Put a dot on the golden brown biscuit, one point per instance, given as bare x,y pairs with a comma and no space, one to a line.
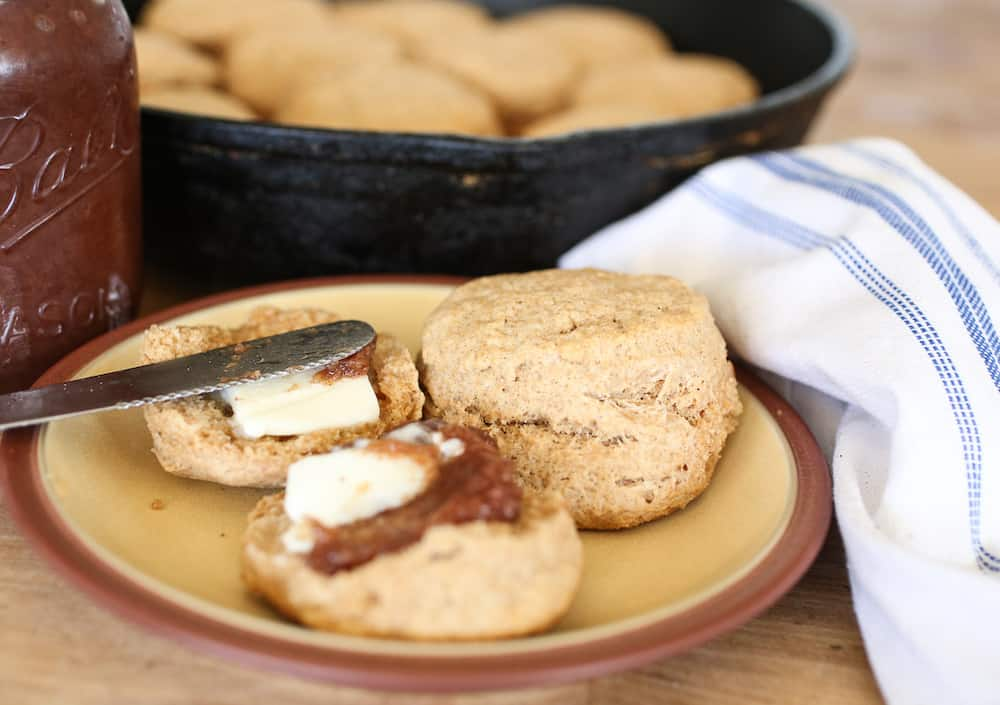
684,84
612,389
264,66
525,75
193,437
596,36
393,98
198,101
480,580
414,21
213,23
592,117
166,61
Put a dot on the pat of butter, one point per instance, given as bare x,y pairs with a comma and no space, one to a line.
295,404
350,484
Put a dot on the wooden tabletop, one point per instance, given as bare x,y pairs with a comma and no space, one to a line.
924,76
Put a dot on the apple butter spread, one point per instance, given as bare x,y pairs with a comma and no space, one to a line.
69,180
471,482
356,365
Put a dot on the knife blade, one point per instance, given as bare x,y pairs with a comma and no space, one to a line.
203,373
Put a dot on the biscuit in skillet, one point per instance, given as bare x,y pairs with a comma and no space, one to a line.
595,36
263,67
592,117
479,580
398,97
683,84
198,100
413,21
524,74
612,389
213,23
165,61
193,437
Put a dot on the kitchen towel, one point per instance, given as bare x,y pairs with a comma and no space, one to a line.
870,287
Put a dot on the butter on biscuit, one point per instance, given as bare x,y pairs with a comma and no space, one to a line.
340,396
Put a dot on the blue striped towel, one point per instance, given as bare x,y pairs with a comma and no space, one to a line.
870,287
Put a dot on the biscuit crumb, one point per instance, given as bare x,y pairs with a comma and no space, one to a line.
156,505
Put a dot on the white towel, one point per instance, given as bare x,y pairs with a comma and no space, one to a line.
870,285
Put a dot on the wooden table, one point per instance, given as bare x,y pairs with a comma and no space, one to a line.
925,76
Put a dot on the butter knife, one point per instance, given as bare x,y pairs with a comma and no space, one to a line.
211,371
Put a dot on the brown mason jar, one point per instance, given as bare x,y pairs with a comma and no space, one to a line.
69,179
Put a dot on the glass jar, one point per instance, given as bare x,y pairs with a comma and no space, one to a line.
70,254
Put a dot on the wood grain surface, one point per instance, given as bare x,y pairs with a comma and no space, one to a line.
926,76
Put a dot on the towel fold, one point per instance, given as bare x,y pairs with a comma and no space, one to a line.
870,287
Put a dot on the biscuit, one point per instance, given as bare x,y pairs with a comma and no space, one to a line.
263,67
393,98
213,23
524,74
414,21
198,101
611,389
193,437
165,61
592,117
684,84
479,580
595,36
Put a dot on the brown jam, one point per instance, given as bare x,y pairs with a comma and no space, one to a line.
476,485
357,365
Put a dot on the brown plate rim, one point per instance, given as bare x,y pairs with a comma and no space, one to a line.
776,573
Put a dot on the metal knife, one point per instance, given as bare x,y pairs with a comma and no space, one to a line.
252,361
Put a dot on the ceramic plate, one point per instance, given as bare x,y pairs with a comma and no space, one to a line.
163,551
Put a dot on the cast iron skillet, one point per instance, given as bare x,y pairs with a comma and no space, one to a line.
244,202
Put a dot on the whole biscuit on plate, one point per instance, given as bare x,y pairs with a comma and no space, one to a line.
595,35
397,97
524,74
213,23
198,101
423,534
413,21
592,117
684,84
249,434
264,66
612,389
164,60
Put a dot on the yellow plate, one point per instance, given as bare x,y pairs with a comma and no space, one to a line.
165,550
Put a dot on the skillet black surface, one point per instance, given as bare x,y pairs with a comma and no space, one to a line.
238,202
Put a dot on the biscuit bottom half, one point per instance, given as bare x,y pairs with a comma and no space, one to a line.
194,438
474,581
